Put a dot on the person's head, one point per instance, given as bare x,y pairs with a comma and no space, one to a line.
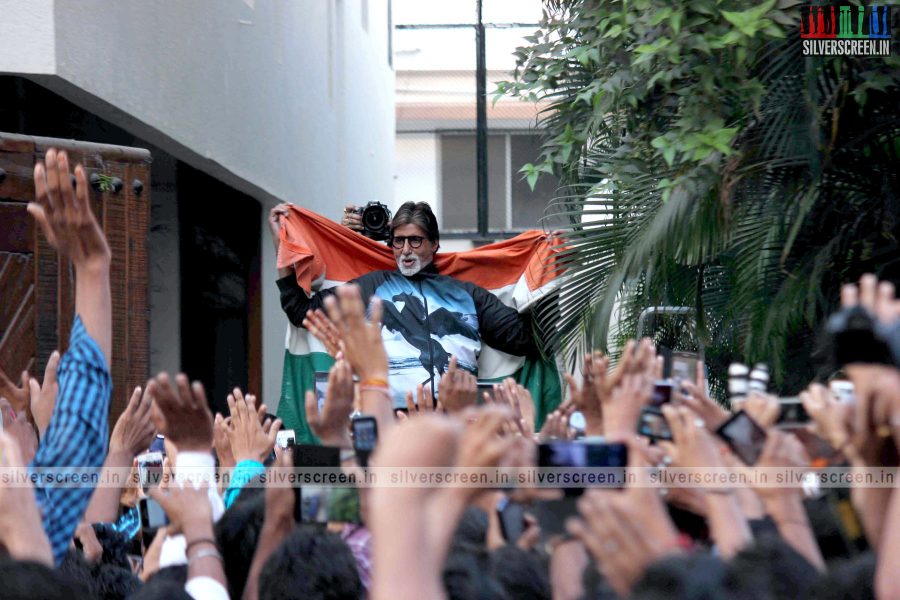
114,583
770,568
414,237
695,576
25,580
115,545
521,573
311,564
237,533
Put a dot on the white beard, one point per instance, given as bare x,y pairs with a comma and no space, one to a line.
409,272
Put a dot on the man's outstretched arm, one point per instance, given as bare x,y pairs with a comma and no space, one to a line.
77,433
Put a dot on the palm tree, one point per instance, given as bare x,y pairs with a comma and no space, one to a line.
707,163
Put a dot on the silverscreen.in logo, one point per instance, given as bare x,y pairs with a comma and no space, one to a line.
845,30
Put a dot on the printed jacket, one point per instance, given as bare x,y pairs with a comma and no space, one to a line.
428,318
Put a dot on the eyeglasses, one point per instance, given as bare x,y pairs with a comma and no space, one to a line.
415,241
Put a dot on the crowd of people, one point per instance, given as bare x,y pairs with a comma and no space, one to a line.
242,539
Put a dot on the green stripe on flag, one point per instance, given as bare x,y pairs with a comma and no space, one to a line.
297,377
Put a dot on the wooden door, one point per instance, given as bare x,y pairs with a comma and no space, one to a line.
37,294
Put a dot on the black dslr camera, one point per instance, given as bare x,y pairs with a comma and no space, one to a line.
376,220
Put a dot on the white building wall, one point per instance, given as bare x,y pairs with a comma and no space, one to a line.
281,99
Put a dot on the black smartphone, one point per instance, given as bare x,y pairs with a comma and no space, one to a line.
153,516
744,436
582,455
314,457
321,386
365,436
485,388
662,392
793,414
652,424
512,519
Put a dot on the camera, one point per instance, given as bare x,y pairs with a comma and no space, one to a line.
376,220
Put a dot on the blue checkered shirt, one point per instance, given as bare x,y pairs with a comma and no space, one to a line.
76,437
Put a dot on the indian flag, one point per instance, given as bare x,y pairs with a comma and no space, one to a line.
325,254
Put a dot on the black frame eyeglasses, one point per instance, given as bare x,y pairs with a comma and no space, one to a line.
415,241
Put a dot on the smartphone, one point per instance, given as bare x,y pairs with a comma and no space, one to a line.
285,438
311,456
512,519
652,424
744,436
485,388
365,435
150,467
793,414
585,455
684,365
153,516
662,392
321,386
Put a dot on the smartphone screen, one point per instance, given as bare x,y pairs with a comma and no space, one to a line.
153,516
365,433
321,387
652,424
485,388
744,436
582,455
684,365
662,392
285,438
512,519
792,414
310,500
150,466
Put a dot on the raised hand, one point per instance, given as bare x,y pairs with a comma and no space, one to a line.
318,324
361,339
21,530
623,404
693,395
763,408
458,389
43,396
188,508
274,220
222,441
181,412
250,439
519,399
134,431
16,395
351,218
20,430
331,424
64,214
556,425
424,403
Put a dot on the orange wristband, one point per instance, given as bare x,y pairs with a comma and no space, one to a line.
374,382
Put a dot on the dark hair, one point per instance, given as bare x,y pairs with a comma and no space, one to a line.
847,580
696,576
237,533
770,568
161,590
419,214
26,580
311,564
115,545
466,577
521,573
114,583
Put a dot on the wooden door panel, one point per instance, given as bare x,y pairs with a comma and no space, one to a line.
37,289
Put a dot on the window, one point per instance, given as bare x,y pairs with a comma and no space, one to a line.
512,205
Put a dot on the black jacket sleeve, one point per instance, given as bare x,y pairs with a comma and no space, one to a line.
294,301
502,327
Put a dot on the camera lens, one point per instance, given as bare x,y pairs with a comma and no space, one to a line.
374,218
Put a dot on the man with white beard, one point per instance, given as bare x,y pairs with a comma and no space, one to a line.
428,317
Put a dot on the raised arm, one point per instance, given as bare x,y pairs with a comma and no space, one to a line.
76,435
502,327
